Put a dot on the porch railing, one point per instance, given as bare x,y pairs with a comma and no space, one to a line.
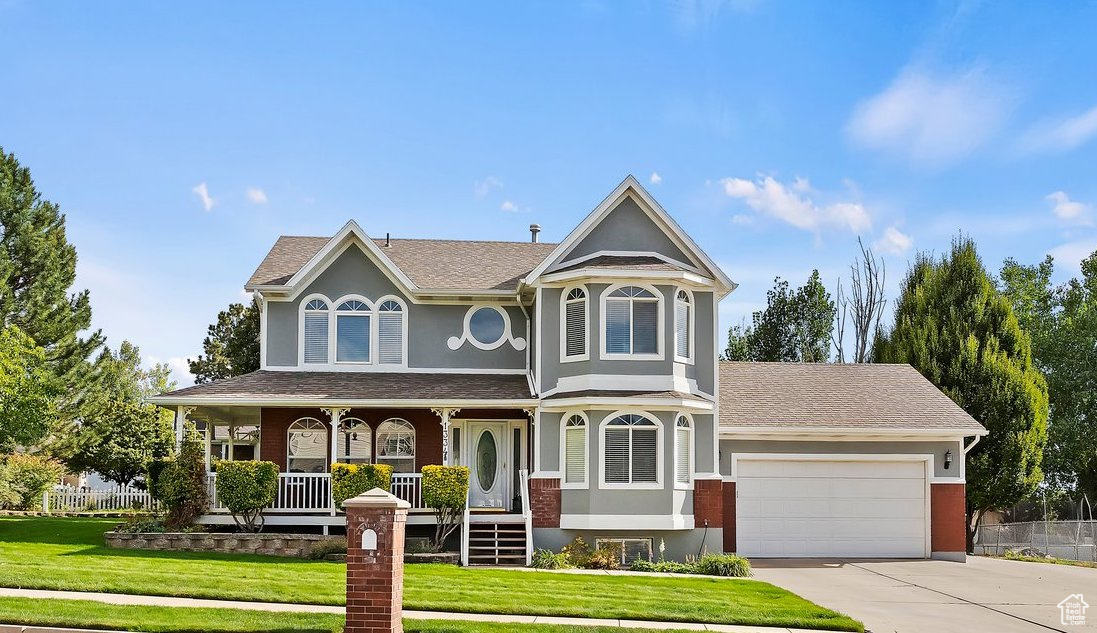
311,492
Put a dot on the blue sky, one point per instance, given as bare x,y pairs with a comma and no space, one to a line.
182,139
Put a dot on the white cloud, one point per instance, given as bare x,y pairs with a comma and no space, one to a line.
803,185
1069,210
257,195
740,218
1061,134
655,178
483,187
202,191
893,241
694,14
509,206
770,197
1069,256
180,370
931,118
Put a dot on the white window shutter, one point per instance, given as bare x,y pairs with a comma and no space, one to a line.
617,456
576,328
575,455
390,338
681,459
316,337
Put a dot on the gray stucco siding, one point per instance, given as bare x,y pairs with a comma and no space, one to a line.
937,449
429,325
627,228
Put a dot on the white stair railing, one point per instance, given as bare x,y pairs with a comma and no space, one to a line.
527,513
465,533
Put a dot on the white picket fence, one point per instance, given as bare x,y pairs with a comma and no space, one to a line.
69,499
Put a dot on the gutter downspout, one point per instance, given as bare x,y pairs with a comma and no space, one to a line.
967,449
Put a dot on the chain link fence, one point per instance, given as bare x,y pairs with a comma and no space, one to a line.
1072,540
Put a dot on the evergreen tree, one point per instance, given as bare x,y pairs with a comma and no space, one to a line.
231,346
953,326
38,268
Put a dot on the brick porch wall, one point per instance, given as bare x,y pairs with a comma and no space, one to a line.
708,503
729,516
948,517
544,497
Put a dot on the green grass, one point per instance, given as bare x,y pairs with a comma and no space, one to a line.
45,553
1048,561
86,613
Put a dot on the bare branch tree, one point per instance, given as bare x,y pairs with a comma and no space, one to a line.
866,302
841,314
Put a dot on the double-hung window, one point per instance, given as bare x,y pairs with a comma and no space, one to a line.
352,332
631,322
575,451
630,451
316,331
575,324
683,326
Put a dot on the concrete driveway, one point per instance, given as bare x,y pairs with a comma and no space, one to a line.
930,596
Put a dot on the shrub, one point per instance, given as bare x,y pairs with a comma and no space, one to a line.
8,497
445,489
545,559
247,488
577,553
142,526
351,480
320,549
29,476
153,472
663,566
607,556
724,565
183,484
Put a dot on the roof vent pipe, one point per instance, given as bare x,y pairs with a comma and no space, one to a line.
388,240
534,229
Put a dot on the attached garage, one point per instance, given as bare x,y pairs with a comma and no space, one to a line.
842,506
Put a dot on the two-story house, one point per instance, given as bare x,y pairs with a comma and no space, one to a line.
580,383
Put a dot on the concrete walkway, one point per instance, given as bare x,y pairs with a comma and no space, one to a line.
167,601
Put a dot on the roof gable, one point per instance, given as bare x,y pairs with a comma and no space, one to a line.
633,221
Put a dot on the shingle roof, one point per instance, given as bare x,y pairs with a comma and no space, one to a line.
320,386
451,264
823,396
629,262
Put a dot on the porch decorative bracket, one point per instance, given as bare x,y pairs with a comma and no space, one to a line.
335,412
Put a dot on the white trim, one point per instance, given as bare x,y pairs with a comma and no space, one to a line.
624,275
715,384
843,433
653,404
169,400
691,311
626,522
261,300
455,342
320,261
625,382
926,458
654,254
967,449
564,302
631,186
585,484
660,335
691,446
947,480
658,483
400,370
538,325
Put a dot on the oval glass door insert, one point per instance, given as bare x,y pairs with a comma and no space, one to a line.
487,458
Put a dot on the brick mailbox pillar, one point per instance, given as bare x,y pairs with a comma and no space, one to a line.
375,562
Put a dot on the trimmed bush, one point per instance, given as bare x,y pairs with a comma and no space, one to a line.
321,549
545,559
724,565
153,471
183,484
445,489
28,476
663,566
247,488
351,480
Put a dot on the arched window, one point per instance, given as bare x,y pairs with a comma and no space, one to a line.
315,329
575,451
683,450
390,333
632,320
630,450
352,332
307,446
356,442
396,445
574,319
683,326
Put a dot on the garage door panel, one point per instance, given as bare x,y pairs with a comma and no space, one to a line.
831,508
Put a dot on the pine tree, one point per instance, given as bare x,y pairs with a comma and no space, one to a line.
38,269
953,326
231,346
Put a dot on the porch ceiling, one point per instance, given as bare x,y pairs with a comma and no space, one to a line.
313,388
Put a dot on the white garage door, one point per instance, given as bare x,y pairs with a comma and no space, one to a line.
794,508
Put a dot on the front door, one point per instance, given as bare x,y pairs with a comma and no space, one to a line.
488,465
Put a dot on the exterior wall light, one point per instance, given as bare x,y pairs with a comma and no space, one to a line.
948,459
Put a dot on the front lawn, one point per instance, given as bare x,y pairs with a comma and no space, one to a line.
50,553
86,614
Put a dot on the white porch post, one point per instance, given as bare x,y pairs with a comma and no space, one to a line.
209,443
336,416
535,439
444,414
180,423
232,431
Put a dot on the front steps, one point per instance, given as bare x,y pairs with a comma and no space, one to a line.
497,543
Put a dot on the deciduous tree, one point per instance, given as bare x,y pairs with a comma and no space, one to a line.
27,390
796,326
